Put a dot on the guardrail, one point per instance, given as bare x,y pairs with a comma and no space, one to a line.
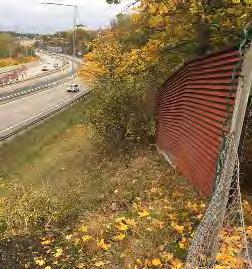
21,126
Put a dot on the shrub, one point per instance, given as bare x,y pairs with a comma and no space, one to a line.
27,210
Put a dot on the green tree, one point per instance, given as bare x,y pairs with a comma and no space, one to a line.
8,46
133,57
64,39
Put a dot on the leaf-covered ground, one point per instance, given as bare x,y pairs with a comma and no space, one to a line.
67,204
146,216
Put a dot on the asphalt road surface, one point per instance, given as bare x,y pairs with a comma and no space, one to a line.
35,68
46,78
18,111
47,61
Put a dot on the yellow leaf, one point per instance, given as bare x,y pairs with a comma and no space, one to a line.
176,264
76,241
172,216
131,222
163,9
86,238
48,267
139,261
156,21
58,253
39,261
117,220
152,9
122,227
120,237
147,262
83,229
136,17
178,228
46,242
103,245
69,236
80,265
99,264
156,262
143,214
168,257
182,243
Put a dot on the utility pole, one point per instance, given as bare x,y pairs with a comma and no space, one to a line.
74,30
74,24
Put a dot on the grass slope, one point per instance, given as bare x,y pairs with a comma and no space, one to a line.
30,157
67,204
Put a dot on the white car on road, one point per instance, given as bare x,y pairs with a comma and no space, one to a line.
73,88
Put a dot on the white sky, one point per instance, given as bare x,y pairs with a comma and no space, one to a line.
31,16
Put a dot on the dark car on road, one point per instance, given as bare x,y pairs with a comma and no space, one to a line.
45,68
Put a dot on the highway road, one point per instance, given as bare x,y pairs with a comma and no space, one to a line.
15,113
11,68
18,113
37,77
34,68
47,61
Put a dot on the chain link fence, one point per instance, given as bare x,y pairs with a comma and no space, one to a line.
220,240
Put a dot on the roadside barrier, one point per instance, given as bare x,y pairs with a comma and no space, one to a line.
23,125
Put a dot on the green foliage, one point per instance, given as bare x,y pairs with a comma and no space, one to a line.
65,40
10,47
74,185
122,115
26,210
133,57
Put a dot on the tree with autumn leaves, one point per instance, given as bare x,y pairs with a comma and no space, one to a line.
134,56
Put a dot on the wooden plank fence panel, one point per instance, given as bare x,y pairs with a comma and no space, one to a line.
193,109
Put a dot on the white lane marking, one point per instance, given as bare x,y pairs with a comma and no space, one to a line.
65,101
43,75
31,90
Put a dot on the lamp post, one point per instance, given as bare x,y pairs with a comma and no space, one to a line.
74,24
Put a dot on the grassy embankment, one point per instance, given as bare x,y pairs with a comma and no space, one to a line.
67,204
15,61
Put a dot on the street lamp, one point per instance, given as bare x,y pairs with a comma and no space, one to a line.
74,24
